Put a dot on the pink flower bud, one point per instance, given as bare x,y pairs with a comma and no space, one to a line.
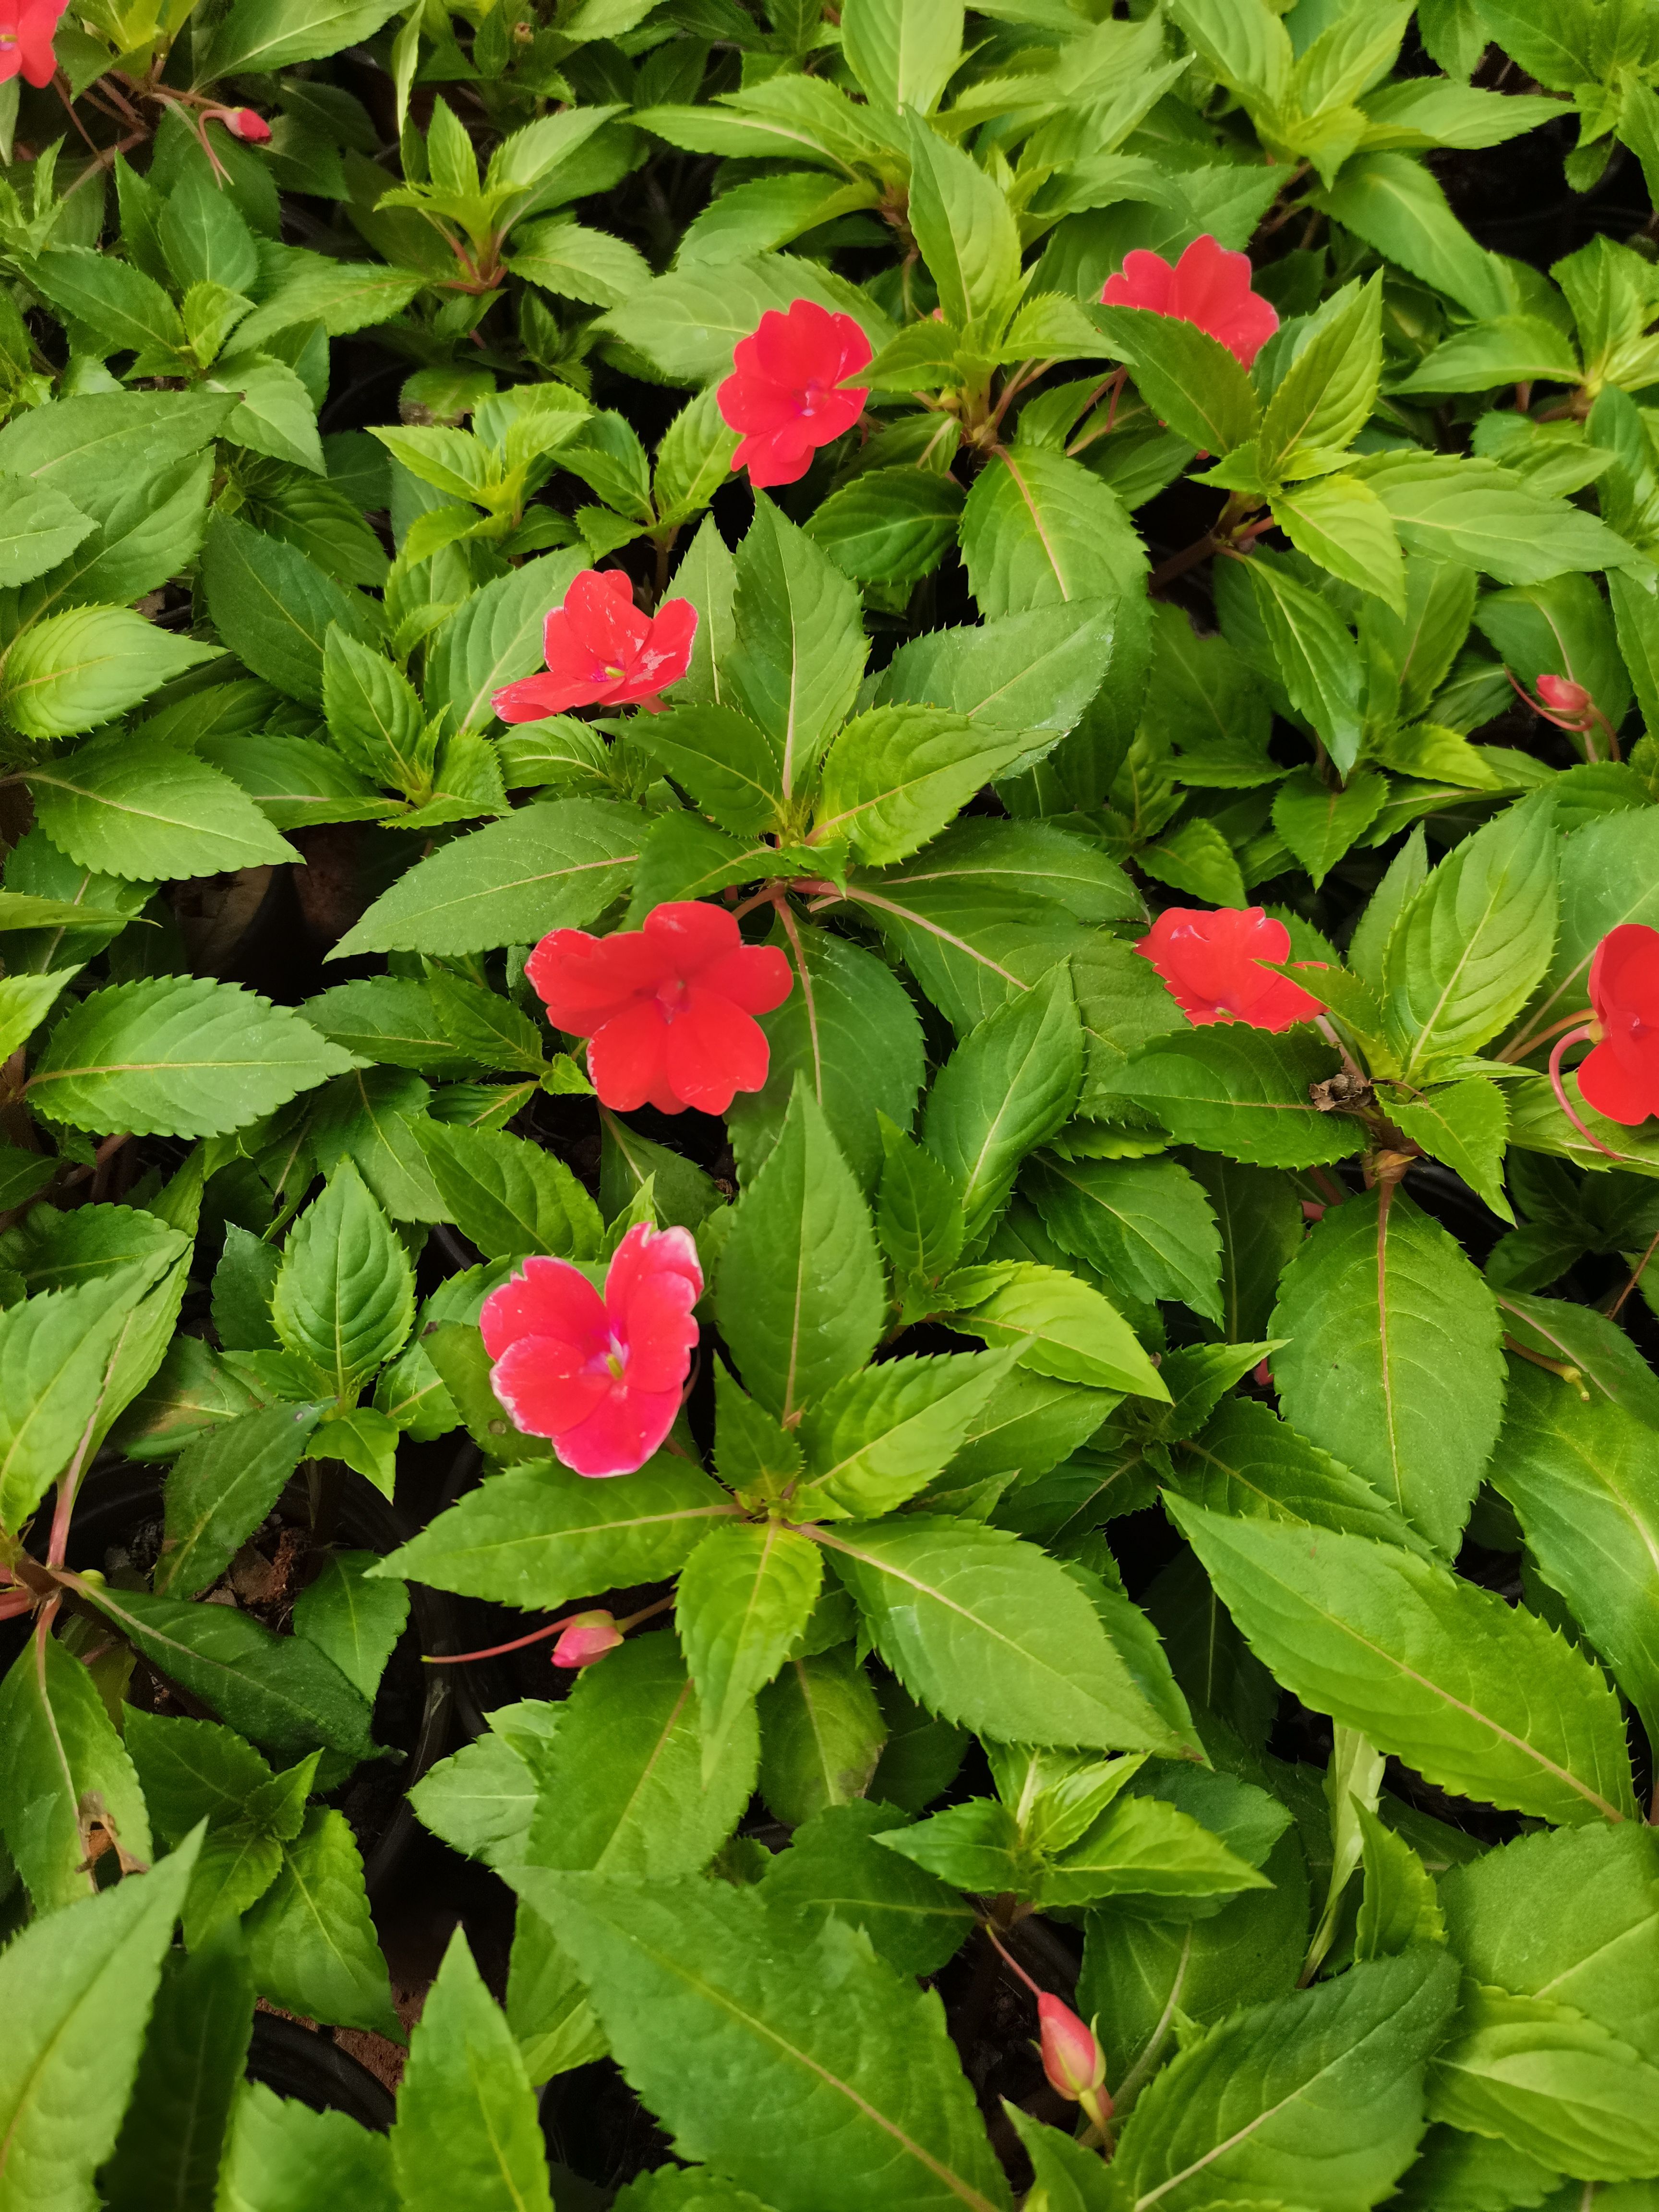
1561,696
242,123
1312,1210
1263,1374
1072,2059
587,1636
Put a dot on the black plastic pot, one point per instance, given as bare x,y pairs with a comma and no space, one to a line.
301,2062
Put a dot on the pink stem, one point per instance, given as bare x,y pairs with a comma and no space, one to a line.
1574,1036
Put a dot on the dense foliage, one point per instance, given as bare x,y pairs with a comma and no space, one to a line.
793,1106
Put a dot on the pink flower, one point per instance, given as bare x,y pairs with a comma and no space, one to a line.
1072,2059
242,123
601,651
785,390
27,30
1561,696
671,1008
587,1636
1207,286
1621,1077
1209,963
602,1377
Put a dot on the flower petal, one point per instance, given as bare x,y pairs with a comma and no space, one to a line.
627,1059
757,977
1622,1093
714,1050
549,1299
619,1436
546,1388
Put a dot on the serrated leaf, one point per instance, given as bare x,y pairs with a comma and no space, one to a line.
992,1634
1009,1086
743,1596
178,1055
194,2048
896,776
1485,1700
344,1300
61,1767
273,607
537,1538
798,1287
55,1352
83,667
1062,1326
874,1440
1248,1461
135,809
1244,1093
556,865
1465,1127
41,529
510,1197
703,2007
1319,822
282,2154
1320,2093
1391,1361
311,1942
800,648
221,1488
840,1864
1145,1224
77,1987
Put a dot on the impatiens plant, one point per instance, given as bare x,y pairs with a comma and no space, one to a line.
828,1122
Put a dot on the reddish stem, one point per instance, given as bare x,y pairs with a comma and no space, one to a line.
1584,1035
539,1636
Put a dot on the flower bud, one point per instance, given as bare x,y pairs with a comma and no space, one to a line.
1561,696
1071,2058
587,1636
242,123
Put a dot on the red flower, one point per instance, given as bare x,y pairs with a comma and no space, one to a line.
1209,961
601,1377
601,650
1620,1078
27,30
1561,696
784,393
1207,286
587,1636
670,1007
242,123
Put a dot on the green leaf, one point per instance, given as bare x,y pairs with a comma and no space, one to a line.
1465,1127
283,2156
1243,1092
537,1538
1319,822
1326,396
1473,945
624,1788
965,230
311,1941
1247,1462
509,1196
1396,206
1315,657
1484,1700
466,2129
139,809
92,448
729,764
55,1355
743,1597
482,1799
221,1487
1571,1915
77,1987
799,1285
1010,1085
821,1734
904,52
556,865
494,637
702,2006
686,324
874,1440
1145,1224
1487,517
992,1634
274,608
62,1767
1319,2093
1039,529
195,2048
850,1029
839,1863
896,776
1391,1360
1190,380
1195,857
1141,1848
800,649
344,1300
889,525
259,36
75,670
1583,1481
279,1691
41,529
351,1620
125,310
1549,2083
1063,1326
1609,874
